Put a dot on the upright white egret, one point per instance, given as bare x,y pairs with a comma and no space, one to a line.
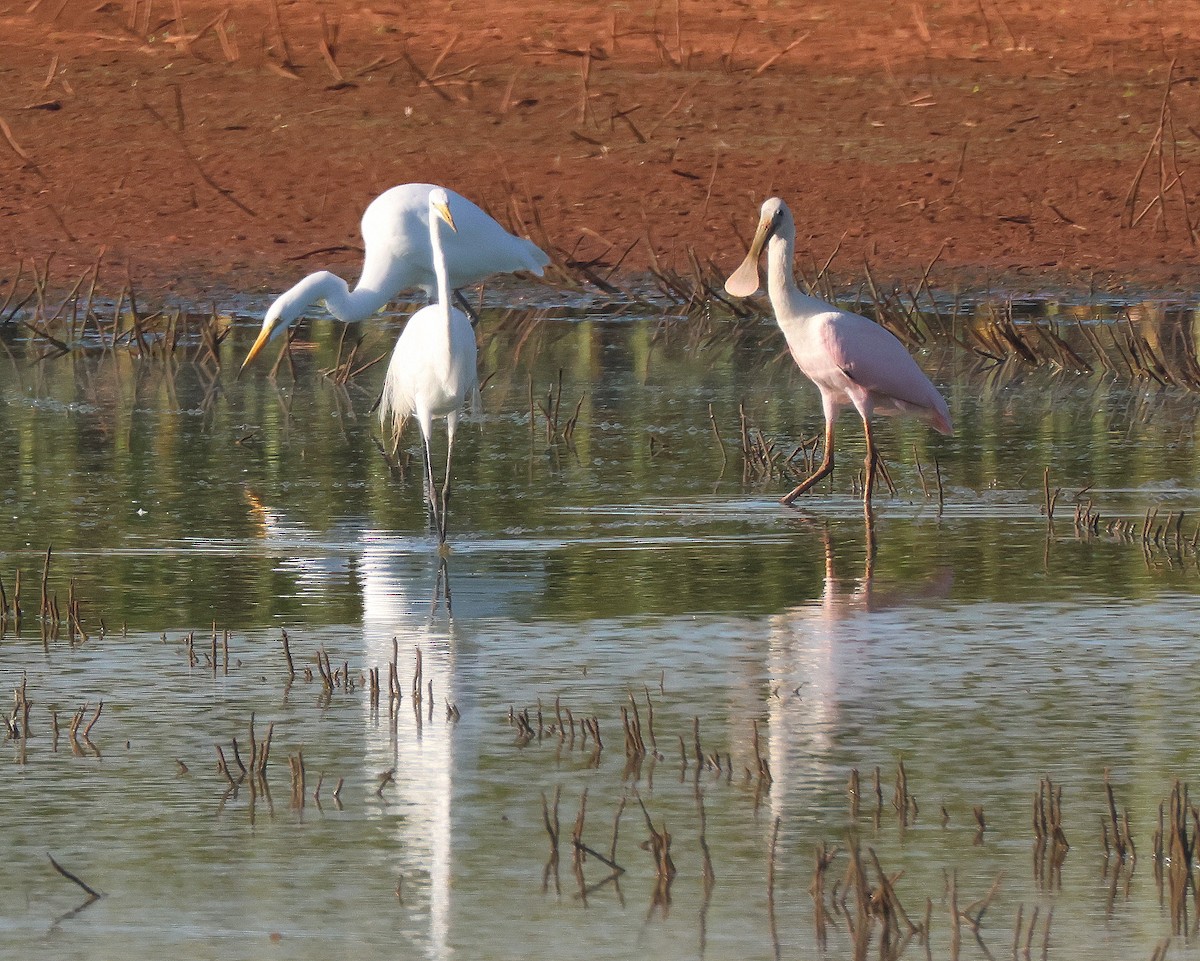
433,367
852,360
396,238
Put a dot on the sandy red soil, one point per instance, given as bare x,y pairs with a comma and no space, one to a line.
206,148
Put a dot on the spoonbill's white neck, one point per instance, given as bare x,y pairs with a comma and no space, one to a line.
789,301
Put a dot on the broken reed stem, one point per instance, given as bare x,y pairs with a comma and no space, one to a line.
45,608
1051,497
287,653
253,745
1117,835
92,892
223,766
265,752
95,717
717,434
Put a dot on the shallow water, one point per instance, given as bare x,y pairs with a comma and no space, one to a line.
974,644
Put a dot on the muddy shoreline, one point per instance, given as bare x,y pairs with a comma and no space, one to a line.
225,152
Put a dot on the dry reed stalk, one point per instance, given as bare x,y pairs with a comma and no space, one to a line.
92,723
1118,837
287,653
423,79
1167,178
6,130
276,21
900,799
1050,498
228,42
825,856
45,610
955,917
93,894
637,724
394,673
980,822
771,60
223,766
550,819
327,681
253,745
265,753
296,763
717,436
328,47
650,722
237,757
980,906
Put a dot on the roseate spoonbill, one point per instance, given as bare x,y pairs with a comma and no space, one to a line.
852,360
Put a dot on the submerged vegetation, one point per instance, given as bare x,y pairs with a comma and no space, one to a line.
1104,334
675,804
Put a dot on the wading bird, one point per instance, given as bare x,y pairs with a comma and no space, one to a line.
396,238
852,360
433,371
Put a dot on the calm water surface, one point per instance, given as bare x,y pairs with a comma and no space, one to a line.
976,646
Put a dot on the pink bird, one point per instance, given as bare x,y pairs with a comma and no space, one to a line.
852,360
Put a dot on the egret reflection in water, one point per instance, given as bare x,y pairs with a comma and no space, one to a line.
409,757
412,757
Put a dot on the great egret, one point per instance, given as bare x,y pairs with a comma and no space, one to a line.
433,367
396,237
852,360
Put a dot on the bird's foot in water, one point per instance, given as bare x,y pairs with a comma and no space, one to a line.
789,500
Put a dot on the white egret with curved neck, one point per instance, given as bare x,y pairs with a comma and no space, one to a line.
399,256
433,371
852,360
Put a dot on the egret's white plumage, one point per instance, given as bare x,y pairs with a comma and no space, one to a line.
853,361
433,370
396,238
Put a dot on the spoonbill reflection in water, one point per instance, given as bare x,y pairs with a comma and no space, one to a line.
827,661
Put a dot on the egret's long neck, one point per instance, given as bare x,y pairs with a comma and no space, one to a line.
439,266
374,289
345,304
